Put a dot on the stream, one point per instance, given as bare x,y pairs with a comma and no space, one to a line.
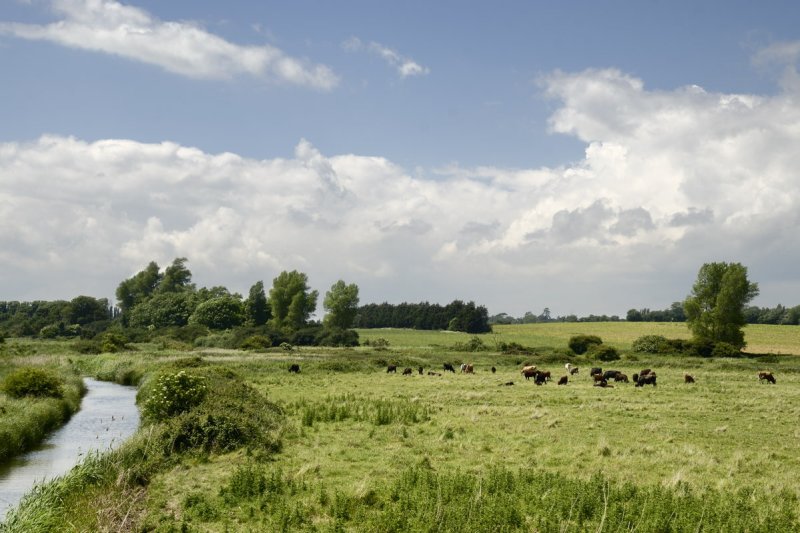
108,415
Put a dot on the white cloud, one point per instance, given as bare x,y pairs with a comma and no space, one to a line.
670,179
179,47
405,66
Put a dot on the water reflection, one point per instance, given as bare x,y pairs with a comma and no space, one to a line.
108,415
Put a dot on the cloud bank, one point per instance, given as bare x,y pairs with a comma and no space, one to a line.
670,179
179,47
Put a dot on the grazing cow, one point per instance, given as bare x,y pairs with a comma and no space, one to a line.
603,383
598,378
449,368
469,369
391,369
635,378
540,378
766,375
621,377
573,371
463,367
294,368
408,372
647,379
688,378
610,374
545,374
644,372
419,370
563,380
494,370
568,368
595,370
529,371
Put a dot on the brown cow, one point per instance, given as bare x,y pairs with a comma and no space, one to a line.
407,372
766,375
545,374
621,377
603,383
598,378
469,369
688,378
529,371
647,379
563,380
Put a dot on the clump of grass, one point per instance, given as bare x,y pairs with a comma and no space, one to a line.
379,412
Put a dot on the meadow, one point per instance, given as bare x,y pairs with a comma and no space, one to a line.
358,449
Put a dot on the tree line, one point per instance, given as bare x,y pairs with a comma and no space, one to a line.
455,316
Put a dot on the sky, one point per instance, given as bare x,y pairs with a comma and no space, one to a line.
583,156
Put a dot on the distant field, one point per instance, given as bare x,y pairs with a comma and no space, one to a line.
761,339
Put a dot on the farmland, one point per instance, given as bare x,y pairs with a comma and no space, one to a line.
363,450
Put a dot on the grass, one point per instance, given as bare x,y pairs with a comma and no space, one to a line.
363,450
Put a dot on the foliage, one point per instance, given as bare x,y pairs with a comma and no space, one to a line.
723,349
256,308
475,344
174,394
163,310
138,288
256,342
219,313
579,344
651,344
176,277
602,352
291,300
35,382
330,336
715,308
380,344
456,316
341,304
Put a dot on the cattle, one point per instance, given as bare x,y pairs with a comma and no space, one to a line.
294,368
563,380
573,370
545,374
647,379
419,370
494,370
463,367
469,369
644,372
688,378
767,376
621,377
408,372
598,378
595,370
635,378
391,369
434,373
540,378
449,368
603,383
610,374
529,371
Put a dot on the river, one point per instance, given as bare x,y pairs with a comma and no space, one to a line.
108,415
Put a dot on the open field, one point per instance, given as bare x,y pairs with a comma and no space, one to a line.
363,450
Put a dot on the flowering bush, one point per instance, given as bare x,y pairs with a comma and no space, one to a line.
174,394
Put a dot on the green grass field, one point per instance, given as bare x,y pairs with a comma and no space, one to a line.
363,450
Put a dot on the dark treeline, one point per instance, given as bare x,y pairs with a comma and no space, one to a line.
455,316
530,318
675,313
59,318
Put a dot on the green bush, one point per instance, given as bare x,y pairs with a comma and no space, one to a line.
33,382
651,344
580,344
724,349
174,394
338,337
256,342
604,353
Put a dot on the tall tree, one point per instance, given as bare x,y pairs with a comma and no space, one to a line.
177,277
291,301
256,307
715,308
136,289
341,304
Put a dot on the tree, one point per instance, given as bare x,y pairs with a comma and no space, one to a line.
715,308
136,289
291,301
219,313
341,304
256,307
163,310
176,277
85,310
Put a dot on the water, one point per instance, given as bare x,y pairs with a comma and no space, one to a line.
108,415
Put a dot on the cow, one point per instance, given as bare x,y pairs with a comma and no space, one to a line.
545,374
434,373
598,378
540,378
391,369
419,370
463,367
449,368
644,372
469,369
595,370
573,370
610,374
408,372
603,383
494,370
621,377
635,378
688,378
294,368
767,376
529,371
568,368
563,380
647,379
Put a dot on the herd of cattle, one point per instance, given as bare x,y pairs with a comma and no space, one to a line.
541,377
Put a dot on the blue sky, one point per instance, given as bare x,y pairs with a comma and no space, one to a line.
582,156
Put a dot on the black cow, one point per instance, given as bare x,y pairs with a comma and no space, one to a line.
407,372
419,370
595,370
540,378
391,369
608,375
563,380
494,370
449,368
647,379
294,368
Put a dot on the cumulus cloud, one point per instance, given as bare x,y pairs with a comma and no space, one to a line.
669,180
182,48
405,66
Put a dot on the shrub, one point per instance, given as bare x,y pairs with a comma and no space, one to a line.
651,344
338,337
475,344
604,353
514,348
49,332
174,394
580,344
33,382
724,349
702,347
113,342
380,344
256,342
